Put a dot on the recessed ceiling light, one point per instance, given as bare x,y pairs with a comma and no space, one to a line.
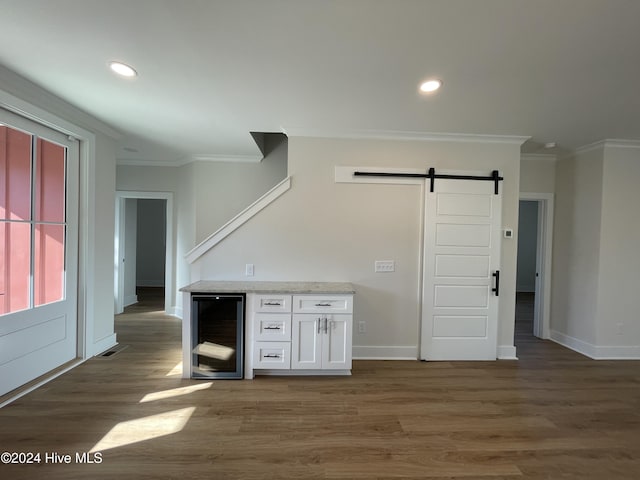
123,69
430,86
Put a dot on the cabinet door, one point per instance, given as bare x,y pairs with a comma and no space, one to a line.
336,342
306,338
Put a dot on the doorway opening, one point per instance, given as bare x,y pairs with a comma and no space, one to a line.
143,251
533,284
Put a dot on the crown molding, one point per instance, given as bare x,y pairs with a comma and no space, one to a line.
549,157
126,162
601,145
30,100
404,135
215,157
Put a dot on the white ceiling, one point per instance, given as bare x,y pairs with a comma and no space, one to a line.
210,72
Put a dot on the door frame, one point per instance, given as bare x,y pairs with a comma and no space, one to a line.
121,196
544,254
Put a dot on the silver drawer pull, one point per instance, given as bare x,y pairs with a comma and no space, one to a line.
271,355
271,328
272,304
323,304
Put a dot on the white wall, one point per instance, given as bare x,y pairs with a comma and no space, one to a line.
224,189
596,266
150,242
320,230
168,179
618,328
576,248
212,192
538,173
527,246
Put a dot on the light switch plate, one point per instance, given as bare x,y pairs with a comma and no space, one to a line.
248,270
384,266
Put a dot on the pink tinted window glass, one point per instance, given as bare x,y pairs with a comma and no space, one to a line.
15,265
15,168
48,263
15,208
49,182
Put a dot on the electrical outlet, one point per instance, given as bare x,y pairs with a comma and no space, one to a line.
248,270
362,327
384,266
620,329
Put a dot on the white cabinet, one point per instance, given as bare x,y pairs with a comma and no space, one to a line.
321,341
303,334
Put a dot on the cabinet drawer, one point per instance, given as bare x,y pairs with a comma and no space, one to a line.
323,303
276,355
276,303
272,326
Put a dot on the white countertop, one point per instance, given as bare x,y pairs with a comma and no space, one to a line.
217,286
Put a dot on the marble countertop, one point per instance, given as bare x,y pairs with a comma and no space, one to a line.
321,288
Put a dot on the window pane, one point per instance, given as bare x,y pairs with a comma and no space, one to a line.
49,264
15,174
15,260
50,182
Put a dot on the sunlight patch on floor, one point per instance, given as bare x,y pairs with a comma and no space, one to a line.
175,392
177,370
143,429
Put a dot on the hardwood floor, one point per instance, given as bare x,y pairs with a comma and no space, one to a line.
553,414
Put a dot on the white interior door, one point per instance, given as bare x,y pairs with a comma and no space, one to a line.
39,185
461,257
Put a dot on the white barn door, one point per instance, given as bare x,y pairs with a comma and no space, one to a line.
461,258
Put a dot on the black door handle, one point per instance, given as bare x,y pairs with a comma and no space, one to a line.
496,274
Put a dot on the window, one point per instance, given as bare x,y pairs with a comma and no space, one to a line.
32,220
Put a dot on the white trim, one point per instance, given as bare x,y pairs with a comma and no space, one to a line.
381,352
22,393
507,352
175,312
613,352
104,344
545,244
404,136
130,300
621,143
28,110
169,281
306,373
125,162
214,157
573,343
539,157
239,220
596,352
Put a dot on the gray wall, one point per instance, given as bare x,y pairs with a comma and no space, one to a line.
130,247
150,242
527,243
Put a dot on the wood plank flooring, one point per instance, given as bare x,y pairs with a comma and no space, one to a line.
553,414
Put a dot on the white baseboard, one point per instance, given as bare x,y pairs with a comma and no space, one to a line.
573,343
385,353
597,352
130,300
175,311
102,345
507,352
